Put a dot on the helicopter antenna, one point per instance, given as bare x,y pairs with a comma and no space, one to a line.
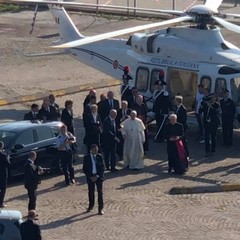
34,19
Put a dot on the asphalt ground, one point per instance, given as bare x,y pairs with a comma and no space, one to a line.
137,204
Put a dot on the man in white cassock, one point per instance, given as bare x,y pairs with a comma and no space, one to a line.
134,137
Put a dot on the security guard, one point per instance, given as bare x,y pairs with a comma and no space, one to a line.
160,107
228,112
64,141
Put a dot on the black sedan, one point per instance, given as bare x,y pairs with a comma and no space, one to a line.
24,136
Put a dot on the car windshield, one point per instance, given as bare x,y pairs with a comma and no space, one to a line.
6,137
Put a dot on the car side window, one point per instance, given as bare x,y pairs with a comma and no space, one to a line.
2,228
44,133
25,137
55,131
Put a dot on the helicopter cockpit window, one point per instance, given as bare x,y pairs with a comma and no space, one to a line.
206,82
235,90
219,85
154,78
142,79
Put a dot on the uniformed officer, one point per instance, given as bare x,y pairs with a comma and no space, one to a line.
64,141
126,91
160,107
228,113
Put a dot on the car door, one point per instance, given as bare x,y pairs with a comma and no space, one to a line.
19,156
47,152
9,229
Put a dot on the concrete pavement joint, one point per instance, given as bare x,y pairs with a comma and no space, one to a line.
59,92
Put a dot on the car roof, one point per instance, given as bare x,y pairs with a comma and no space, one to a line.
10,214
23,125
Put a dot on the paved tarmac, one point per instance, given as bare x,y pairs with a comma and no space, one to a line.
137,204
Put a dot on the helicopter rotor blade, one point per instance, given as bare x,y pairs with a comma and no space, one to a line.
213,4
88,40
228,25
232,15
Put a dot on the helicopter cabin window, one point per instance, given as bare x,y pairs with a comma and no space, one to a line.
206,82
219,85
183,82
235,90
154,77
142,79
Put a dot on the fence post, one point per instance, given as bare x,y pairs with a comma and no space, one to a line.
134,5
174,4
97,7
236,2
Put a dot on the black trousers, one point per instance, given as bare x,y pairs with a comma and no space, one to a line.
110,156
3,187
32,195
227,131
210,132
91,193
67,165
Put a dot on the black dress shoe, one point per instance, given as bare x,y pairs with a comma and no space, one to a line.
100,212
89,209
114,170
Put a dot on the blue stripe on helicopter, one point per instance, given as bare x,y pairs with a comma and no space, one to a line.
104,58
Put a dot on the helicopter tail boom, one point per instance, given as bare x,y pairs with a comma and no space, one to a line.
67,29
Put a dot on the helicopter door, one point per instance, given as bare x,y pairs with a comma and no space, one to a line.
182,82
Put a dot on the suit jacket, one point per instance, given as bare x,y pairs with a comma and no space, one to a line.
30,231
29,116
228,109
105,108
31,178
49,116
92,128
210,117
109,133
120,116
4,168
67,119
181,113
87,166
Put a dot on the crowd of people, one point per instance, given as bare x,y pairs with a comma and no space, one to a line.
119,131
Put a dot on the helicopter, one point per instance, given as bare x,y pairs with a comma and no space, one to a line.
186,55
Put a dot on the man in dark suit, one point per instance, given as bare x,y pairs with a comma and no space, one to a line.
110,139
93,167
160,108
107,105
122,114
93,127
29,229
181,112
52,102
228,113
31,179
48,112
4,169
33,114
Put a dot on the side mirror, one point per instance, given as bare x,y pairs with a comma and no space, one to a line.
18,146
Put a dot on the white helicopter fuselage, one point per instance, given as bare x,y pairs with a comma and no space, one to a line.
187,56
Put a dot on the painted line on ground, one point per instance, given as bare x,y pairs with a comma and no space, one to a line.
60,92
205,189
